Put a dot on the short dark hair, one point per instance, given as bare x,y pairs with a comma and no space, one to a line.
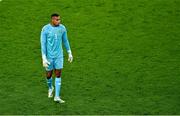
54,15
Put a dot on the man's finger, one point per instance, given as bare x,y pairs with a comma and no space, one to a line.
45,65
48,63
70,59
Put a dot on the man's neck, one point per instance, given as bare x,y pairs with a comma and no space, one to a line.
54,25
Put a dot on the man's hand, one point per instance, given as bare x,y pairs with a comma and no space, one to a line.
70,57
46,63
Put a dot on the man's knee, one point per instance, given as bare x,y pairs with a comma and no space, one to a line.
49,74
58,73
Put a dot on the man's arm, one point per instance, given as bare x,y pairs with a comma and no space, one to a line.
43,48
43,43
66,41
66,45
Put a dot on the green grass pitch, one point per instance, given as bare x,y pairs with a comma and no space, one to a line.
126,57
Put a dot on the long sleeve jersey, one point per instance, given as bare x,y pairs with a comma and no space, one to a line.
52,38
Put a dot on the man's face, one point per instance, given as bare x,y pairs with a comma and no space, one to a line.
56,20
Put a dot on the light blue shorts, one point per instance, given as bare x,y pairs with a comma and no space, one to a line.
55,63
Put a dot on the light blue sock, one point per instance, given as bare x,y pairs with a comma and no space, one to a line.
49,83
57,86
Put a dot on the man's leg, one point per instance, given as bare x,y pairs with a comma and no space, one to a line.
58,82
49,71
58,64
49,83
58,86
49,79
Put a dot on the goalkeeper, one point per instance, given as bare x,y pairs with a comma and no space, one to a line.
53,35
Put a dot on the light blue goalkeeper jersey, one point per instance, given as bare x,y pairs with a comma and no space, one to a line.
52,38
